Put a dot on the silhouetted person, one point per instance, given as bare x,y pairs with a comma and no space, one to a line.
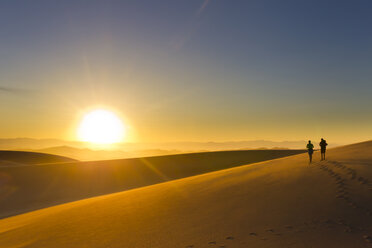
310,150
323,145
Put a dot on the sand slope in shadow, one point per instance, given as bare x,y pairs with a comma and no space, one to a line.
27,188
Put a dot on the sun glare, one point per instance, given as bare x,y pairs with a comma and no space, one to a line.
101,127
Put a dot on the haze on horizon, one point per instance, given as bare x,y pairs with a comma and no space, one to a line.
196,70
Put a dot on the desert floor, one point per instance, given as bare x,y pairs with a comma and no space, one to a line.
284,202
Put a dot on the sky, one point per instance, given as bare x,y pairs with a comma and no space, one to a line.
195,70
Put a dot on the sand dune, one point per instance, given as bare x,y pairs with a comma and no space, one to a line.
16,158
85,154
279,203
27,188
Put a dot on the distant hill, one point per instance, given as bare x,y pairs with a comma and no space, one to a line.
85,154
13,158
29,143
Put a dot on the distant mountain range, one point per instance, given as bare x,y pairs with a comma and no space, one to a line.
84,151
29,143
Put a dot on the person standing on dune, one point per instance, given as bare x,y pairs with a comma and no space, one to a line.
323,144
310,150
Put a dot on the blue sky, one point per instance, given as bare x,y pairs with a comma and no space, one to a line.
189,70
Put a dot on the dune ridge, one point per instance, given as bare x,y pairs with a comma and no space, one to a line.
20,158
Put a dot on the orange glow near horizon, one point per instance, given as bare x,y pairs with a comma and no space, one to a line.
101,126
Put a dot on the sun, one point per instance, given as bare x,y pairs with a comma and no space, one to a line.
101,126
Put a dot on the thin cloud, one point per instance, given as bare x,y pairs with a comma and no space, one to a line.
180,41
12,90
202,7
